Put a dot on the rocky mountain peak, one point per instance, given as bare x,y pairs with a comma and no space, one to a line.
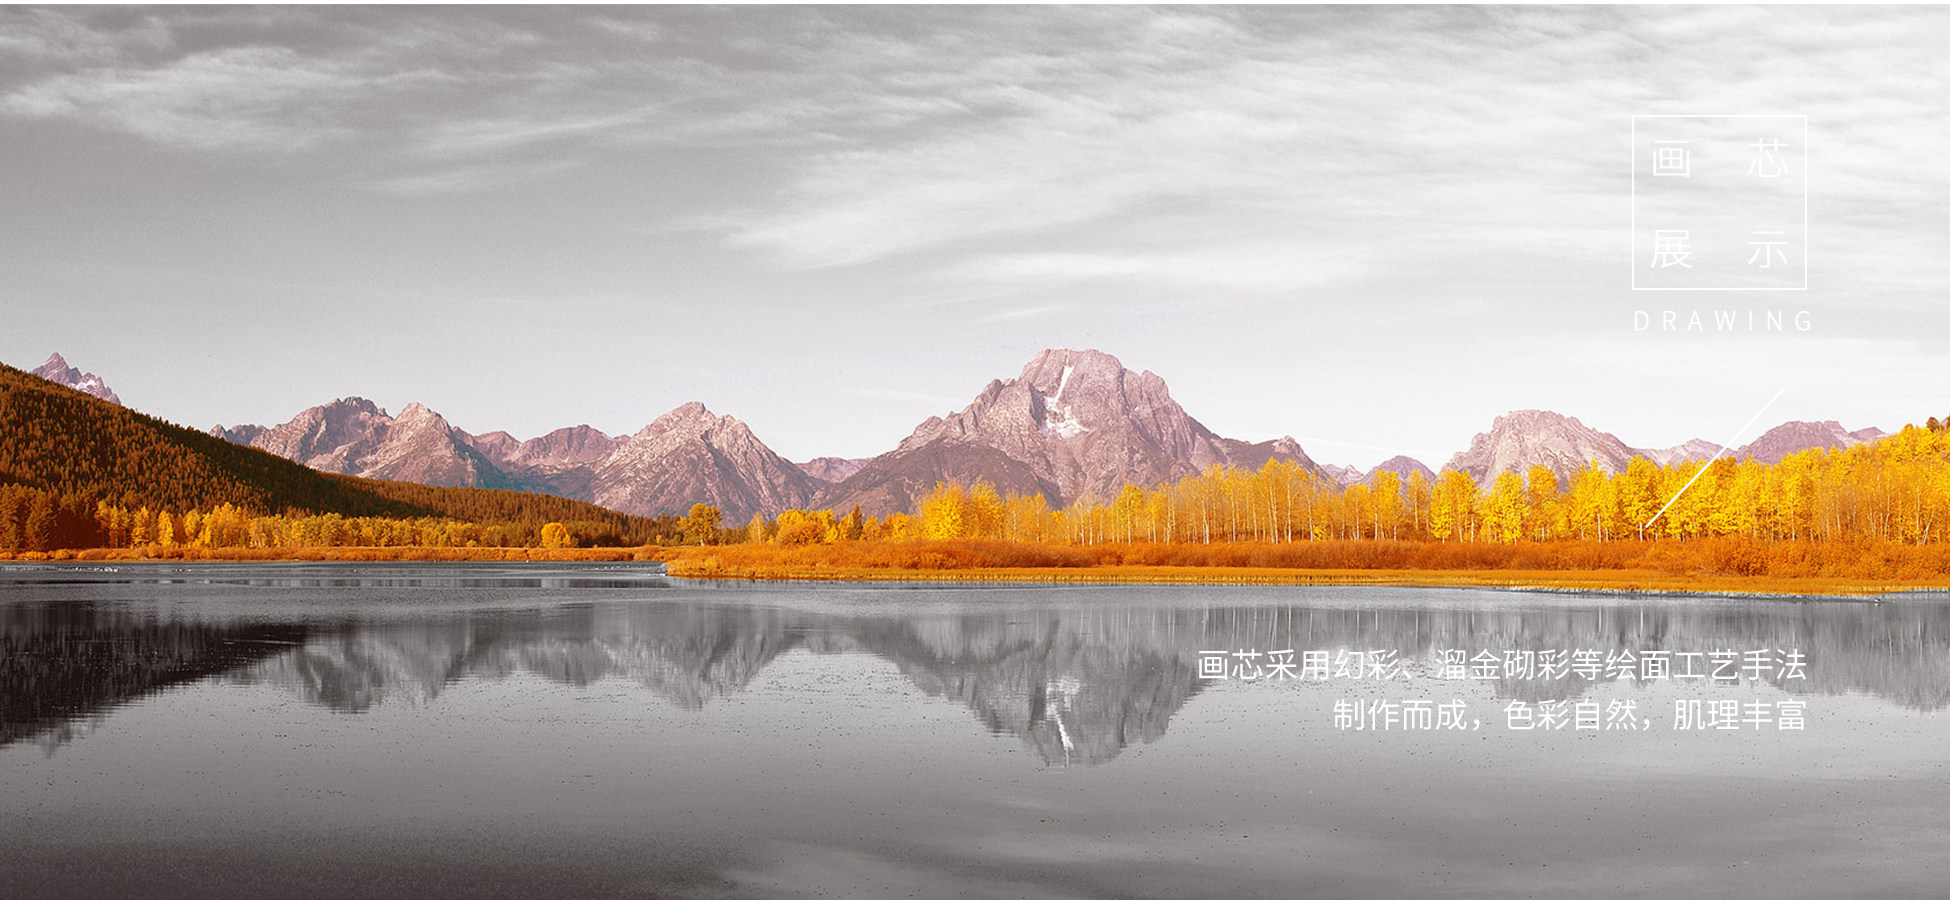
1788,438
314,436
1076,423
689,455
416,415
688,420
575,444
1522,438
57,370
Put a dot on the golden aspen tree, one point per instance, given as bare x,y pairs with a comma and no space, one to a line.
1638,494
984,516
1453,506
1356,499
943,512
1416,498
702,525
1590,501
1387,504
1540,501
142,528
1504,509
1126,512
1157,514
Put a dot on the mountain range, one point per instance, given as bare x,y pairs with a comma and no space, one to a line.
1073,425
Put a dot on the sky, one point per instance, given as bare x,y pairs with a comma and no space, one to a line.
1371,228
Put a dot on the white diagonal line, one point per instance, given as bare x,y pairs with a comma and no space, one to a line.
1716,457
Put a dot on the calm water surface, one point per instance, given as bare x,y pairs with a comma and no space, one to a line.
293,730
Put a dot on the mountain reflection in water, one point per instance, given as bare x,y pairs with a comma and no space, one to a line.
1077,682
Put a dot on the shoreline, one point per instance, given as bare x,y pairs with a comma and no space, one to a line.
1605,582
1601,583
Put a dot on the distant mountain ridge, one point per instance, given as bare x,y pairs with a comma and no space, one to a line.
1527,437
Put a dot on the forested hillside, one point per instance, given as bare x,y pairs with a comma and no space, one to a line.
68,460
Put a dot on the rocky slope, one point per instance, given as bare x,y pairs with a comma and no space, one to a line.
832,468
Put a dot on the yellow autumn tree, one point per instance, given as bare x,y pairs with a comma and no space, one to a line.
702,525
1452,509
1503,509
1540,502
1388,504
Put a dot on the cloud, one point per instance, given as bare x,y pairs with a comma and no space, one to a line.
1235,135
1254,149
1256,267
1398,134
471,178
1015,315
42,36
485,137
249,98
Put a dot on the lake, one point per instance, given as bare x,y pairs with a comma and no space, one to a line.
506,730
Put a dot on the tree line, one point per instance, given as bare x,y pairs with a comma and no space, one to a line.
1895,489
